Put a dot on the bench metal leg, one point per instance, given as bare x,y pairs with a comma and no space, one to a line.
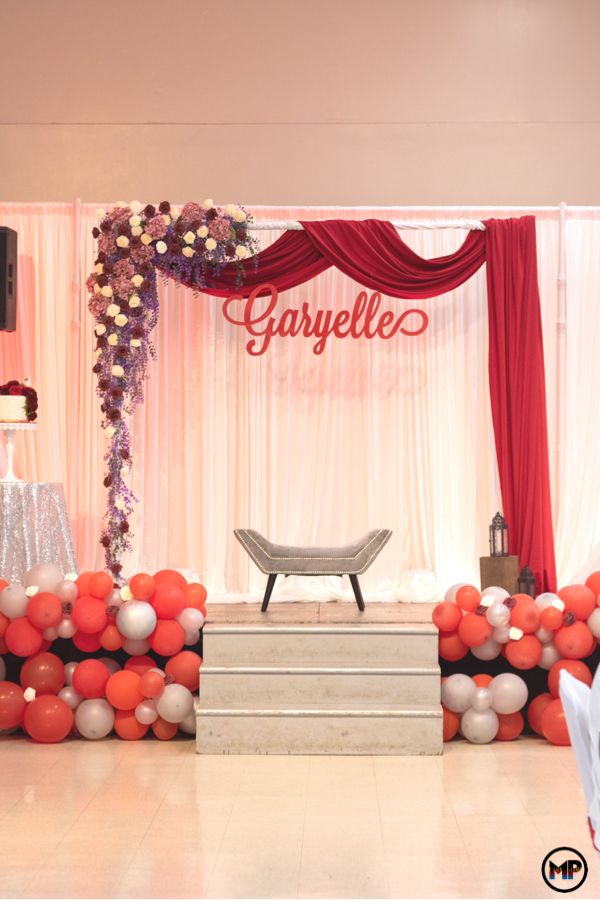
357,592
268,592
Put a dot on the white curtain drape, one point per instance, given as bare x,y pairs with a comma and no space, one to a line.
307,449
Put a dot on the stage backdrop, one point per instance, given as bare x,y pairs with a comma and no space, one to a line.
307,448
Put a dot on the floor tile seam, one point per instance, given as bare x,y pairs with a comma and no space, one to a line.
217,854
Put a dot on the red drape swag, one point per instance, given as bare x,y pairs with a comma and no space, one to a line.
372,253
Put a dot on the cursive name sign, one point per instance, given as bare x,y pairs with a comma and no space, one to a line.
363,320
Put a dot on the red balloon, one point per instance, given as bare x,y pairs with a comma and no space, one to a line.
536,709
168,601
184,668
554,724
525,653
164,731
83,583
127,726
89,615
451,647
45,673
578,599
468,598
140,664
48,719
4,622
170,576
525,615
123,690
101,584
3,584
574,641
142,586
168,637
111,638
152,684
575,667
22,638
446,616
474,630
551,618
90,678
44,610
510,727
87,643
195,596
482,680
593,582
451,723
12,705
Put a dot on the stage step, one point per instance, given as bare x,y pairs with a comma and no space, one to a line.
319,689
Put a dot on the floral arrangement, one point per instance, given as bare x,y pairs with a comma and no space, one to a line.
16,389
190,245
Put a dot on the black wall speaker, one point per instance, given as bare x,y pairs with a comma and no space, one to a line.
8,279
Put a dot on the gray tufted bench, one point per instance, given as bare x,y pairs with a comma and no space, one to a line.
278,559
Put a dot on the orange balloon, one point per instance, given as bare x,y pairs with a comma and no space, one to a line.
446,616
101,584
83,583
4,623
482,680
168,637
524,597
12,705
44,672
123,690
184,668
468,598
575,667
554,724
525,653
578,599
127,726
551,618
574,641
140,664
170,576
451,723
164,731
44,610
142,586
510,727
474,630
593,582
89,615
535,711
525,615
111,638
22,638
168,601
48,719
152,684
195,596
87,643
3,647
3,584
90,678
451,647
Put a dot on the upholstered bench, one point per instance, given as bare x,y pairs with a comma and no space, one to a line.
278,559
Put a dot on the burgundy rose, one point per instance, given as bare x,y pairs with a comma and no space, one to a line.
135,241
101,258
103,383
164,207
109,268
124,230
105,540
101,342
97,369
102,280
137,331
124,527
116,568
124,453
107,481
96,232
15,391
149,211
230,249
124,252
113,414
212,214
179,227
242,234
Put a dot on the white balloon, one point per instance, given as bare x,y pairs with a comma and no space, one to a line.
190,619
2,669
509,693
457,692
50,634
498,593
135,648
543,601
94,719
594,622
69,669
70,696
501,634
175,703
498,614
191,637
482,700
66,591
488,650
45,576
111,664
188,725
146,713
452,591
479,727
114,599
66,629
544,635
549,656
13,601
136,620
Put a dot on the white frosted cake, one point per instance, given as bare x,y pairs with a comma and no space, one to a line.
13,409
18,402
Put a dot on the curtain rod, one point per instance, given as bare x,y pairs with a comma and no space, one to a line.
291,225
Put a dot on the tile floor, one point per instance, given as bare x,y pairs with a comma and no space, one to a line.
115,819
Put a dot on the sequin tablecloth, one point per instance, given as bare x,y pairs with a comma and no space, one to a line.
34,528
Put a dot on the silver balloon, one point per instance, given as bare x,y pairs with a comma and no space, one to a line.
549,656
175,703
509,693
482,700
69,669
501,634
544,635
452,591
134,647
498,593
66,591
188,725
136,620
488,650
70,696
45,576
13,601
457,692
94,719
479,727
191,637
594,622
111,664
498,615
2,669
145,712
191,619
66,629
543,601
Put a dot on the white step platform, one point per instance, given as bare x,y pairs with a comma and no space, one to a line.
320,679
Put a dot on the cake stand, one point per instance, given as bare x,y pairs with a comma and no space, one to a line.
10,429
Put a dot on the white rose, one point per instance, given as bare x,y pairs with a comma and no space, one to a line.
202,231
188,251
123,471
121,320
110,431
239,215
208,204
98,268
71,576
100,213
175,212
100,329
136,207
113,310
96,288
161,247
210,244
146,239
97,354
166,219
117,371
189,237
135,220
32,590
113,340
241,252
125,590
137,230
29,694
230,209
134,342
137,280
134,301
119,503
122,241
122,204
107,291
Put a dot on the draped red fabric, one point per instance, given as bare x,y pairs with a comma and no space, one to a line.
518,392
372,253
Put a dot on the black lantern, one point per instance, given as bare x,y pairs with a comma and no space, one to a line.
498,536
527,582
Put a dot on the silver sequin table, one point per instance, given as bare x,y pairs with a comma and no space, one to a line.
34,528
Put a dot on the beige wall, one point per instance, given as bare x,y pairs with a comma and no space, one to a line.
301,101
